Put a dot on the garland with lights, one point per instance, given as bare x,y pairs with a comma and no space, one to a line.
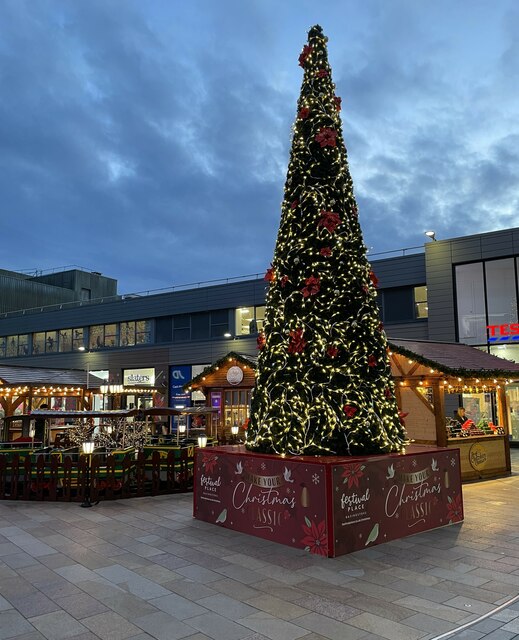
323,384
452,371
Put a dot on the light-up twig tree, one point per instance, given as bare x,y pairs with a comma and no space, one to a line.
324,382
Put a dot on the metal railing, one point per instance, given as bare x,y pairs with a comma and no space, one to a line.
181,287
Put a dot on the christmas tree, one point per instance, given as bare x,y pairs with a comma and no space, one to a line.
323,384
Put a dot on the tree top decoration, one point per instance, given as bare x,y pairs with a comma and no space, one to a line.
323,383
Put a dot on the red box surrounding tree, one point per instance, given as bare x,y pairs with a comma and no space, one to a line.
329,506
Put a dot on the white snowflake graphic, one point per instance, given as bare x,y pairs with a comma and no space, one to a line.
453,462
414,463
316,478
263,466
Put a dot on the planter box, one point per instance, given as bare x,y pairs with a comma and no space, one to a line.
329,506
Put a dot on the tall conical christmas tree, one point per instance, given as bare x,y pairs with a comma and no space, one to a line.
323,382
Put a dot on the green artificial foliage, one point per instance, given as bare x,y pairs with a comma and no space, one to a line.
324,384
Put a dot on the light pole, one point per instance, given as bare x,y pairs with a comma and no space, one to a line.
88,448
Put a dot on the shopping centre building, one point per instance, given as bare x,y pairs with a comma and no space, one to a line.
462,289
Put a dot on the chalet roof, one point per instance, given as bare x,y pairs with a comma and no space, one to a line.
249,361
12,375
456,359
451,358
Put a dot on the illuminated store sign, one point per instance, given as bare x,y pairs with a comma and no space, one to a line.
139,377
503,332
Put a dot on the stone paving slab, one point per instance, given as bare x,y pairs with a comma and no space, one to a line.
143,568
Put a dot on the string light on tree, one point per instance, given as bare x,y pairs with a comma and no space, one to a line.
323,384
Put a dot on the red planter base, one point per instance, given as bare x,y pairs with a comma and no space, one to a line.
328,505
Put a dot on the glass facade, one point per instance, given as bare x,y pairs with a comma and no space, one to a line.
103,336
486,294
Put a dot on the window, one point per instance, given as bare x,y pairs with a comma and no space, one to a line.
421,310
23,345
38,343
143,332
85,294
65,340
199,326
243,319
51,342
249,320
398,304
501,297
164,329
181,328
77,339
12,346
470,294
96,337
111,336
127,334
219,323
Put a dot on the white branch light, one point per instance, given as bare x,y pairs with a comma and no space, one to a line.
323,382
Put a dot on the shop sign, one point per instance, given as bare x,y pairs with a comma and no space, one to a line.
234,375
503,332
179,375
139,377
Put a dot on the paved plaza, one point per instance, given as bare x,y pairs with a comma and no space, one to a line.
143,568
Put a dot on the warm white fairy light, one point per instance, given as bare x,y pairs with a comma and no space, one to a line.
324,382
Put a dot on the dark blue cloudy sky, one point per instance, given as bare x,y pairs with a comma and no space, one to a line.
150,140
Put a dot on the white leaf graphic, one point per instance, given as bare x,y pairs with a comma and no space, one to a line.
239,468
222,517
373,535
287,474
390,472
434,465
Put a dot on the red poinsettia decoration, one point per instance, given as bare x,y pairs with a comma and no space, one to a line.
303,114
455,508
329,220
209,461
294,204
349,410
326,252
284,280
332,351
315,540
373,278
307,50
260,341
352,474
380,326
270,275
297,342
322,73
338,103
312,286
387,393
326,137
372,361
401,416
